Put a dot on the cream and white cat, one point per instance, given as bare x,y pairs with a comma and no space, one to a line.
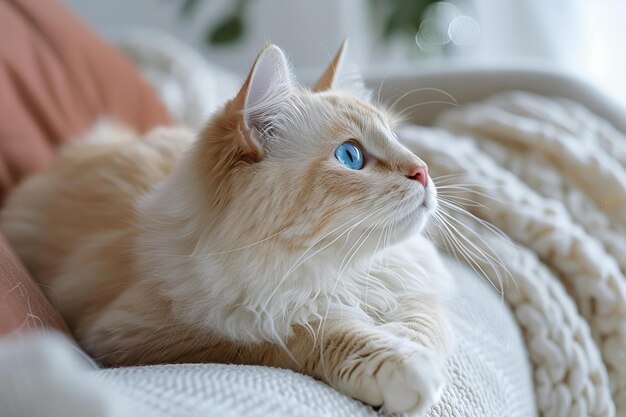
285,234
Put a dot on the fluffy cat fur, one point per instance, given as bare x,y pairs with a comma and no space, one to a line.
248,243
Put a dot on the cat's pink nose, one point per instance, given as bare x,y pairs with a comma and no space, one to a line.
418,173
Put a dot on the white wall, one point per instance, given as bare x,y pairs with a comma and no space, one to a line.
309,31
580,36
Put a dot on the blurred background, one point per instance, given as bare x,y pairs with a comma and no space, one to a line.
584,38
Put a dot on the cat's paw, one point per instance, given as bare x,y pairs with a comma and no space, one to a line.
411,382
405,379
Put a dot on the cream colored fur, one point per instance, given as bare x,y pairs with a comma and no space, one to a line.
250,243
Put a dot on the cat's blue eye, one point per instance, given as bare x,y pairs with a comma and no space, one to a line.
350,155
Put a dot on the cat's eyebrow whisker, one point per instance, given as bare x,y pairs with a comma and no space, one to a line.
402,114
380,87
419,90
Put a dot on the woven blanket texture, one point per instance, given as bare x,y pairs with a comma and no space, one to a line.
552,177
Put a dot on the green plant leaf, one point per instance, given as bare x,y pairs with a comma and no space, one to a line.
228,31
188,7
402,16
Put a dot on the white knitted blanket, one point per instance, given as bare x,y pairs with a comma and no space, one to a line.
552,177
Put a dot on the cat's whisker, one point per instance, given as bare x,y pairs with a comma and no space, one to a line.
403,114
468,186
493,229
454,222
447,179
463,251
332,292
299,261
387,222
445,176
458,248
369,269
489,255
357,245
201,253
447,200
445,240
326,215
502,237
445,191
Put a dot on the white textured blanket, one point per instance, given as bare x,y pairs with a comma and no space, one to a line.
552,177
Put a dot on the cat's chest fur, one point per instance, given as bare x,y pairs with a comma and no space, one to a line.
250,299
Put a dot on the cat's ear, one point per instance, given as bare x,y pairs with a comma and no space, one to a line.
330,77
267,88
341,75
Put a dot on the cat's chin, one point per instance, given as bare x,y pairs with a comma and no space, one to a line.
415,218
411,223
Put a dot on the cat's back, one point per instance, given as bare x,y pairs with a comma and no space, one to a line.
88,195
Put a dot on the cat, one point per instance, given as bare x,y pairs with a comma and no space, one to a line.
286,233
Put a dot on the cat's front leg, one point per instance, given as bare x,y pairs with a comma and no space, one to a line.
371,364
423,322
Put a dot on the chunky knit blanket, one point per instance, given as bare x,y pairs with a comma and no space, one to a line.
552,177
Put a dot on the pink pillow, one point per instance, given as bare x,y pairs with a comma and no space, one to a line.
57,78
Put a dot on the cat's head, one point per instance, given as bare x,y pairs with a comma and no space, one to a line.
310,166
